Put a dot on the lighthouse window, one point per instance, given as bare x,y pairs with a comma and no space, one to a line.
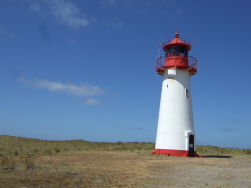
177,50
187,93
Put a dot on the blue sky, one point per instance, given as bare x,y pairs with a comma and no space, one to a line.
79,69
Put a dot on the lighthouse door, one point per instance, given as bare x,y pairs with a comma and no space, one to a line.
191,145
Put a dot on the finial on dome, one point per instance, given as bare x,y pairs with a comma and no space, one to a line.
177,35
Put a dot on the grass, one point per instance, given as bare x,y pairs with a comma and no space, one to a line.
20,146
213,150
16,146
35,163
20,152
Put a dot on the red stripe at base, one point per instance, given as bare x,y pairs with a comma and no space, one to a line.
170,152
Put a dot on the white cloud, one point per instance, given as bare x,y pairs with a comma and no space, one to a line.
177,12
139,3
72,42
35,7
63,11
4,31
91,101
165,2
227,130
67,14
108,3
114,23
111,1
81,90
129,3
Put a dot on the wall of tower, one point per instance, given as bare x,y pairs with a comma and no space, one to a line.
176,113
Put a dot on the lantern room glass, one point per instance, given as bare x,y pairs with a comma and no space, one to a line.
177,51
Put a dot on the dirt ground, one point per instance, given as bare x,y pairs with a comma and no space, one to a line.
121,169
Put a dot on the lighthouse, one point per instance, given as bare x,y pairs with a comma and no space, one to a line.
175,133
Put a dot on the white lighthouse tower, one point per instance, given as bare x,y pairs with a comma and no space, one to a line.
175,134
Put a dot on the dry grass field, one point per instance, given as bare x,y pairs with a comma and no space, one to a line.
38,163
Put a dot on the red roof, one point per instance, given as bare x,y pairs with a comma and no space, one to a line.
176,42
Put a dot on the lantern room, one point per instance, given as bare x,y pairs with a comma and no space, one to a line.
176,56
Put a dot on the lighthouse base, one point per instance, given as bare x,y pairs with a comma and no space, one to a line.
170,152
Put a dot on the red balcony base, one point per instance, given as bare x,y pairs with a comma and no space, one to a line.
169,152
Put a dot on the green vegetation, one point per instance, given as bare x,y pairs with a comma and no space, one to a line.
16,146
213,150
19,146
26,162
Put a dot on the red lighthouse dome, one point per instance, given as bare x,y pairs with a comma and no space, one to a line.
176,57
